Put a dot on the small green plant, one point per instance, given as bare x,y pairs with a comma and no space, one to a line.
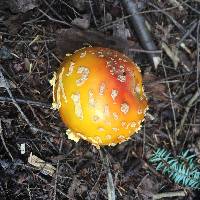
182,169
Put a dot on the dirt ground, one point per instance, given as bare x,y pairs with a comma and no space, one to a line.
37,161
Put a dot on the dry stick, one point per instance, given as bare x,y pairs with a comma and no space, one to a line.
92,11
68,5
19,86
29,192
28,41
110,183
26,101
54,20
97,181
145,165
57,170
52,186
187,33
34,20
169,194
137,21
145,51
171,101
3,142
193,9
5,85
189,105
50,7
198,53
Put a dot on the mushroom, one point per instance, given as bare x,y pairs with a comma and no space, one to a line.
99,95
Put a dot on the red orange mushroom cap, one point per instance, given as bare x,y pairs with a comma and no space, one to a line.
99,95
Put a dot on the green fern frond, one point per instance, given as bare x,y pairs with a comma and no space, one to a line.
182,169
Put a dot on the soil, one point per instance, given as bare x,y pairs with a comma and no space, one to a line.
37,160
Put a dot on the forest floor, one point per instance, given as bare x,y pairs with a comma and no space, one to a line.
37,161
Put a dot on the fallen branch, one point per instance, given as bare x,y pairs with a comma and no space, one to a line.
137,21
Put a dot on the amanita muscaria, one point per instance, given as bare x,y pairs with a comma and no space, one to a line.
99,95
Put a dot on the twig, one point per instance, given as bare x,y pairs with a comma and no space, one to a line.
198,53
5,85
146,166
179,26
3,142
171,101
187,33
50,7
110,183
169,194
137,21
110,24
28,41
33,128
176,3
68,5
26,101
52,186
29,192
193,9
145,51
54,20
57,170
187,109
92,11
34,20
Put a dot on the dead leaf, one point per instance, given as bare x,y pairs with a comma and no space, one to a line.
14,23
120,30
175,3
28,65
148,186
76,187
154,87
23,6
83,23
172,54
41,164
69,40
79,4
18,67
